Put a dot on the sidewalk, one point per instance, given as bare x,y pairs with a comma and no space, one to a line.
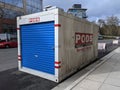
103,76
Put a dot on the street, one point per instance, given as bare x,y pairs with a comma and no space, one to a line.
12,79
8,58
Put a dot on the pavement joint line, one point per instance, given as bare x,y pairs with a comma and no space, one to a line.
104,59
106,77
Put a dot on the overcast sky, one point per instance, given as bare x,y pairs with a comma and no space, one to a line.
96,8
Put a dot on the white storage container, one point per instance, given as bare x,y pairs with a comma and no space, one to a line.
53,44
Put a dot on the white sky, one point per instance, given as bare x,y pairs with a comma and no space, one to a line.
96,8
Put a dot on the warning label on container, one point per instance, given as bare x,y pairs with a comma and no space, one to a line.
83,39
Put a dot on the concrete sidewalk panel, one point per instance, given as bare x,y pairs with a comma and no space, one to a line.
97,77
113,81
115,75
100,73
109,87
103,60
88,85
69,81
76,88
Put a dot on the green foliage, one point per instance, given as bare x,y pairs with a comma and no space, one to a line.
109,37
110,26
113,20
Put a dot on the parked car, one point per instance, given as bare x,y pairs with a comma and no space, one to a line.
8,44
8,40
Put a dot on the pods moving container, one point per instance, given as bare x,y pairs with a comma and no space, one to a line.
53,44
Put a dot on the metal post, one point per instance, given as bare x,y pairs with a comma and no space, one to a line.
1,18
41,5
24,6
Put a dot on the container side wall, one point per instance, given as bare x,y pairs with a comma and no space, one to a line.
73,58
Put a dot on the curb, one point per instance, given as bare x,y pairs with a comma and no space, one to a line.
103,60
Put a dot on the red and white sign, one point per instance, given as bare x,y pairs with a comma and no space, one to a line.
101,46
83,39
115,41
34,20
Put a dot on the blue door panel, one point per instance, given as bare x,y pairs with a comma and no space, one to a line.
37,42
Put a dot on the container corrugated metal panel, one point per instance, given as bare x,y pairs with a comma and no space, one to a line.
37,46
66,58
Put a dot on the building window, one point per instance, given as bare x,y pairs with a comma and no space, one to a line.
17,3
8,28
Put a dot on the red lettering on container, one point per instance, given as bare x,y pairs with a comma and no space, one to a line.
34,20
83,39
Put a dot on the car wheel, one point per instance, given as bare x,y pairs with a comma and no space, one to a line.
7,46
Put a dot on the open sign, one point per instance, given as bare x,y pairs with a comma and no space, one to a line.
83,39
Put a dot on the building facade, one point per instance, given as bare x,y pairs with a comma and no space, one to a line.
78,11
10,9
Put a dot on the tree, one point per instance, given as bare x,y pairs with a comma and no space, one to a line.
109,26
112,20
113,23
101,22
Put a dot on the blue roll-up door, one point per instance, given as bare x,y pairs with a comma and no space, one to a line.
37,46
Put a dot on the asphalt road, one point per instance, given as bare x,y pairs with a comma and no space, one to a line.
12,79
15,80
8,58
